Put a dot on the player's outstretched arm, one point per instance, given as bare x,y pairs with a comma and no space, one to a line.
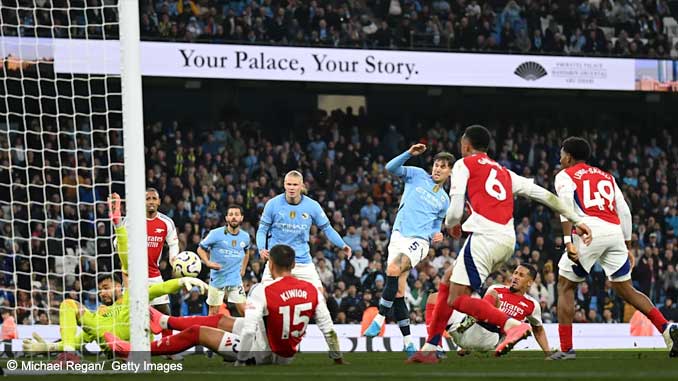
256,304
174,285
323,223
324,321
527,188
395,165
455,211
265,224
540,335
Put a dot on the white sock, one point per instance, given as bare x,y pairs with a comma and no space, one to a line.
163,321
380,319
510,323
407,340
428,348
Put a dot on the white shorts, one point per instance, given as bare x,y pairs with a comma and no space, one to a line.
476,338
608,250
305,272
260,348
164,299
414,248
215,295
480,256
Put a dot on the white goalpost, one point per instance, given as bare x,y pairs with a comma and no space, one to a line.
133,132
71,133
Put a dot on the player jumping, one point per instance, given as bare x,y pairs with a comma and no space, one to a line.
418,222
597,198
490,189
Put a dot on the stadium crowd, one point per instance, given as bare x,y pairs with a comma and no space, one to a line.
632,28
57,253
591,27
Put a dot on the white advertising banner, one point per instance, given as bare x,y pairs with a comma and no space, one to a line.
586,336
191,60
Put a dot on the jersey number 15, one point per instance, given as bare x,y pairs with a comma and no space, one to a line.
297,319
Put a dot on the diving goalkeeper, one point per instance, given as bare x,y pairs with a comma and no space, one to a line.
113,315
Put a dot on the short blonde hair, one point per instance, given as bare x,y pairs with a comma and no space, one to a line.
297,174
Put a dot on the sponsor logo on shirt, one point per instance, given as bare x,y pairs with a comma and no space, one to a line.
486,161
429,198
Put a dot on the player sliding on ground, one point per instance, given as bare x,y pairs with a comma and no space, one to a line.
597,198
418,222
490,189
275,321
471,335
113,316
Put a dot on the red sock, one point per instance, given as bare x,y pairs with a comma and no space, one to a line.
429,314
657,319
441,314
565,333
481,310
181,323
176,343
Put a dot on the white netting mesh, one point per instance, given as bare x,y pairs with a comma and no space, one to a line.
61,155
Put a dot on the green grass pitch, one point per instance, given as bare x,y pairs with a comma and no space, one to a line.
590,365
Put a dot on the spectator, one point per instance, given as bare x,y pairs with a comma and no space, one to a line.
193,304
370,211
359,262
352,238
416,297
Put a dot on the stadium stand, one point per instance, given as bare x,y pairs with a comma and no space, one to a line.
629,28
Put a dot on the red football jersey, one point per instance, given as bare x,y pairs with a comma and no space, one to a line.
159,230
489,188
595,192
290,305
519,307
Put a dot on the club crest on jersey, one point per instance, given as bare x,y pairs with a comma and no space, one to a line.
234,243
523,304
304,216
293,214
242,245
159,230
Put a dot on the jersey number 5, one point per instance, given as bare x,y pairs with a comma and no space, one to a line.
493,187
298,319
604,192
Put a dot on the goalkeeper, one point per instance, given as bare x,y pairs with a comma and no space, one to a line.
113,315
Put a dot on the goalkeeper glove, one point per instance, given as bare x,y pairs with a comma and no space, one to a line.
114,210
189,283
38,345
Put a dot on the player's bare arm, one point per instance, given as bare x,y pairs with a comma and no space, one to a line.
540,336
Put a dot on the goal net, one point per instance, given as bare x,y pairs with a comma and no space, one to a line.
67,139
